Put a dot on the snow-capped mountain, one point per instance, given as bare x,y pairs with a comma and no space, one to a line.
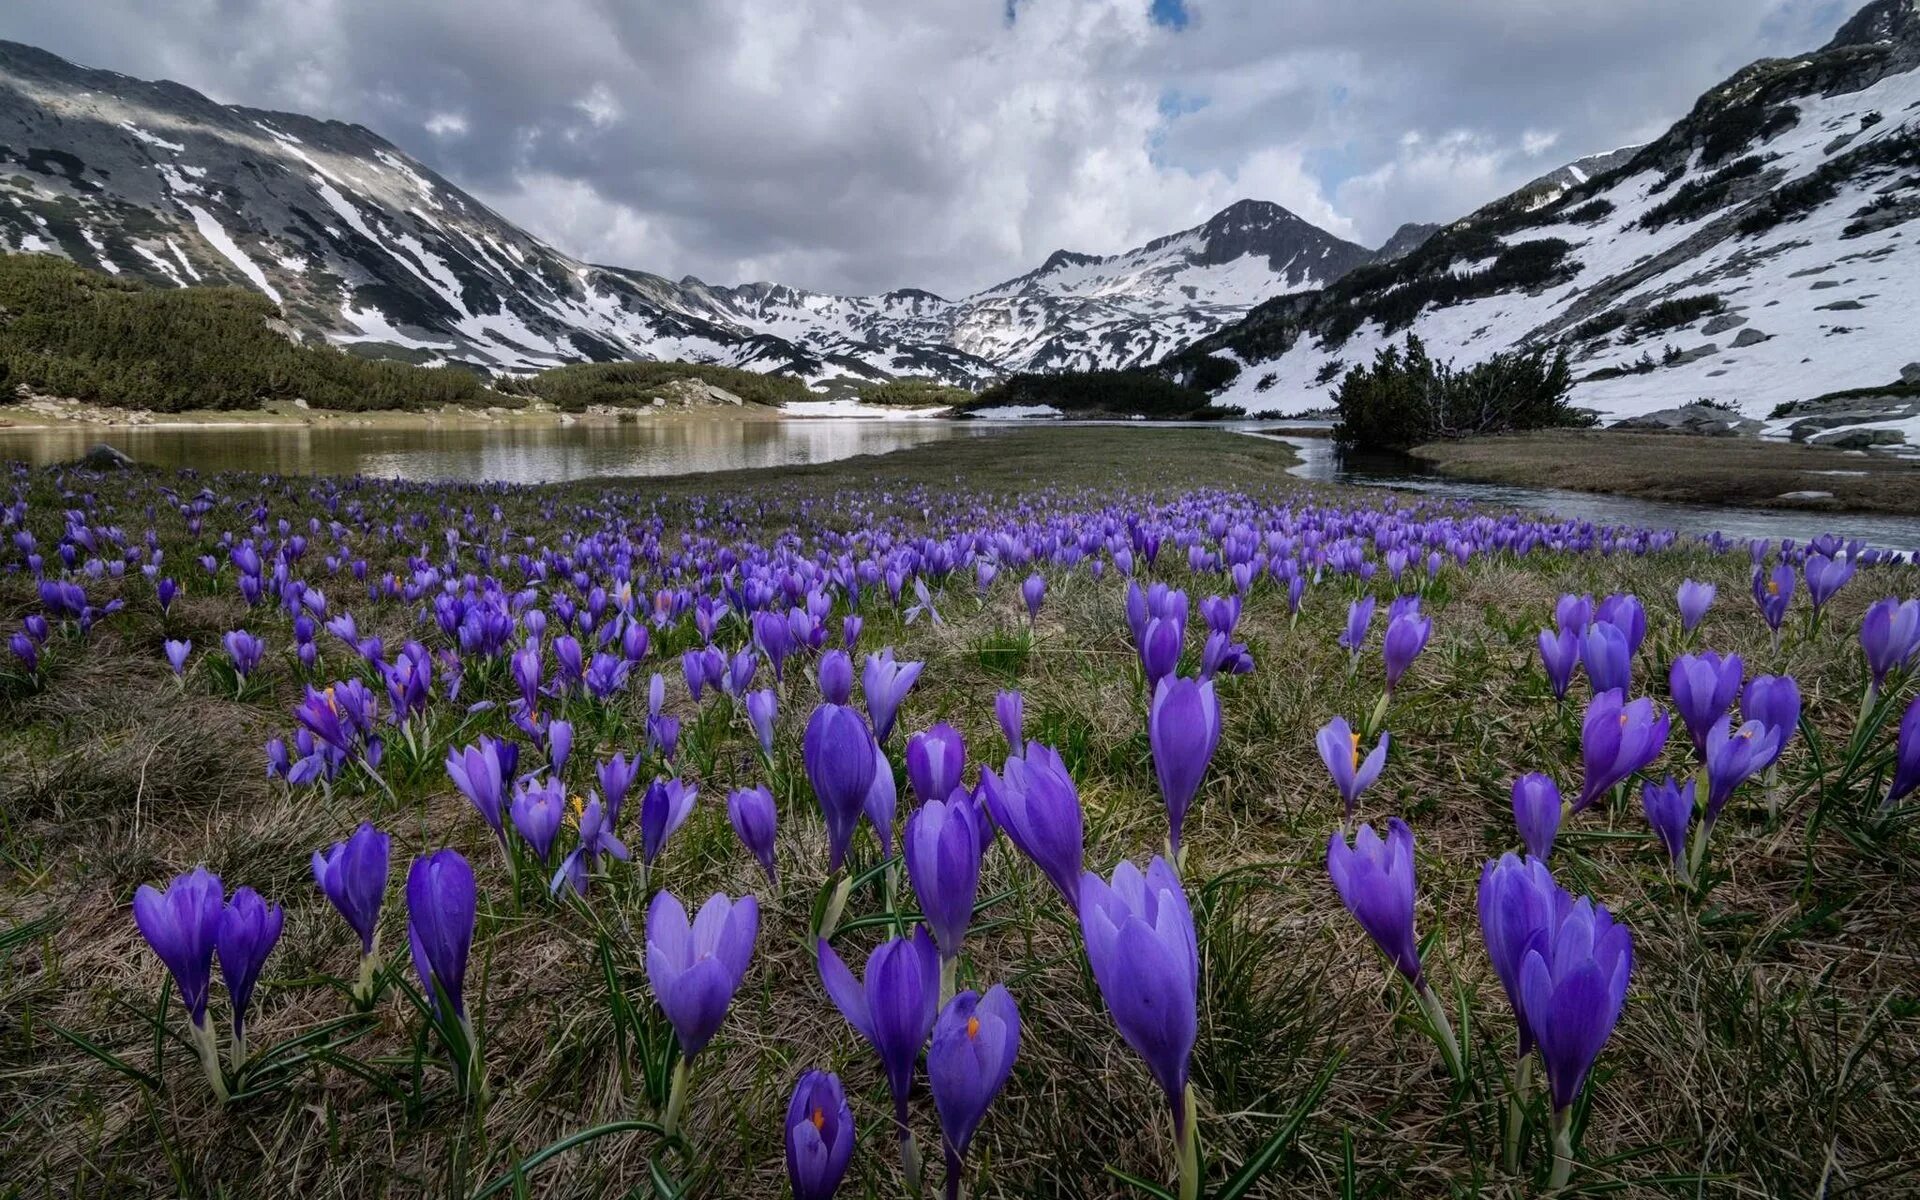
360,244
1764,250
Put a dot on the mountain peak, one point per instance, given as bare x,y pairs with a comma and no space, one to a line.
1248,212
1881,21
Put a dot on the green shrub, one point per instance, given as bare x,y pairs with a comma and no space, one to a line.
577,386
1406,398
75,333
1697,197
1095,393
912,393
1671,314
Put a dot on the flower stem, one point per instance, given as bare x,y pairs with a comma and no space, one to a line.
836,904
1442,1031
1562,1149
956,1181
949,979
910,1167
208,1043
1517,1111
676,1100
1186,1137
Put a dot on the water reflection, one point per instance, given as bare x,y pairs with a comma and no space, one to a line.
1319,461
514,453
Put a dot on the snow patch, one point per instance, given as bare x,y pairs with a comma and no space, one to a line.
220,240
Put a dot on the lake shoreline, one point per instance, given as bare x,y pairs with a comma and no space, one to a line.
44,414
1685,469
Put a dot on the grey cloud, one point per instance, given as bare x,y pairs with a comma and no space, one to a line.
865,144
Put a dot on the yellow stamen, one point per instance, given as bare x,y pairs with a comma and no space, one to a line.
1356,752
973,1027
819,1118
1773,587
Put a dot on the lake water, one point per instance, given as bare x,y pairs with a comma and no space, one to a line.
511,453
541,453
1321,463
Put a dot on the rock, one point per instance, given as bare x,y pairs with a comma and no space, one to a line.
1702,420
1842,306
1804,496
1811,417
1859,439
300,402
1749,337
1693,355
104,458
1910,374
1723,323
1823,284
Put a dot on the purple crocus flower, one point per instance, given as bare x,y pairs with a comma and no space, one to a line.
476,771
539,806
886,684
819,1136
1694,599
1183,730
1375,882
936,757
1160,644
1035,802
559,745
249,928
1773,592
836,677
893,1006
1825,576
177,652
616,776
1774,701
694,969
1669,809
1703,687
754,818
1140,942
597,839
1572,612
942,848
762,707
182,924
1009,710
1559,654
1890,638
1733,756
245,652
442,902
1607,656
1617,739
1517,901
975,1040
1339,748
1034,593
882,801
26,650
1359,620
850,631
664,808
838,752
353,875
1625,613
1573,989
1906,768
1536,811
1407,635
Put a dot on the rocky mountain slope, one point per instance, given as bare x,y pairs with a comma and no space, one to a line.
365,246
1765,250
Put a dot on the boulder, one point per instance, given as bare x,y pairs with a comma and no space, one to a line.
1722,324
1749,337
1804,496
1910,374
1702,420
104,458
1859,439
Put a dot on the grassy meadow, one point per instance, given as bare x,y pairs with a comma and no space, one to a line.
1770,1039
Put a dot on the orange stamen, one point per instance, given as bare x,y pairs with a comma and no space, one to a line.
973,1027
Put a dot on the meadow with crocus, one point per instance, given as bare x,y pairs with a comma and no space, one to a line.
1085,812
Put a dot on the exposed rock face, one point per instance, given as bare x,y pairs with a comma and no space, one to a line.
1812,420
104,458
1701,419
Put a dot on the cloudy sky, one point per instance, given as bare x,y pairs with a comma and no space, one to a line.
859,145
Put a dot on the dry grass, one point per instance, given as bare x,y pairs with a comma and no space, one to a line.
1768,1048
1684,468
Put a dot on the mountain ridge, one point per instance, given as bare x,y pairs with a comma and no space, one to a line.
368,248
